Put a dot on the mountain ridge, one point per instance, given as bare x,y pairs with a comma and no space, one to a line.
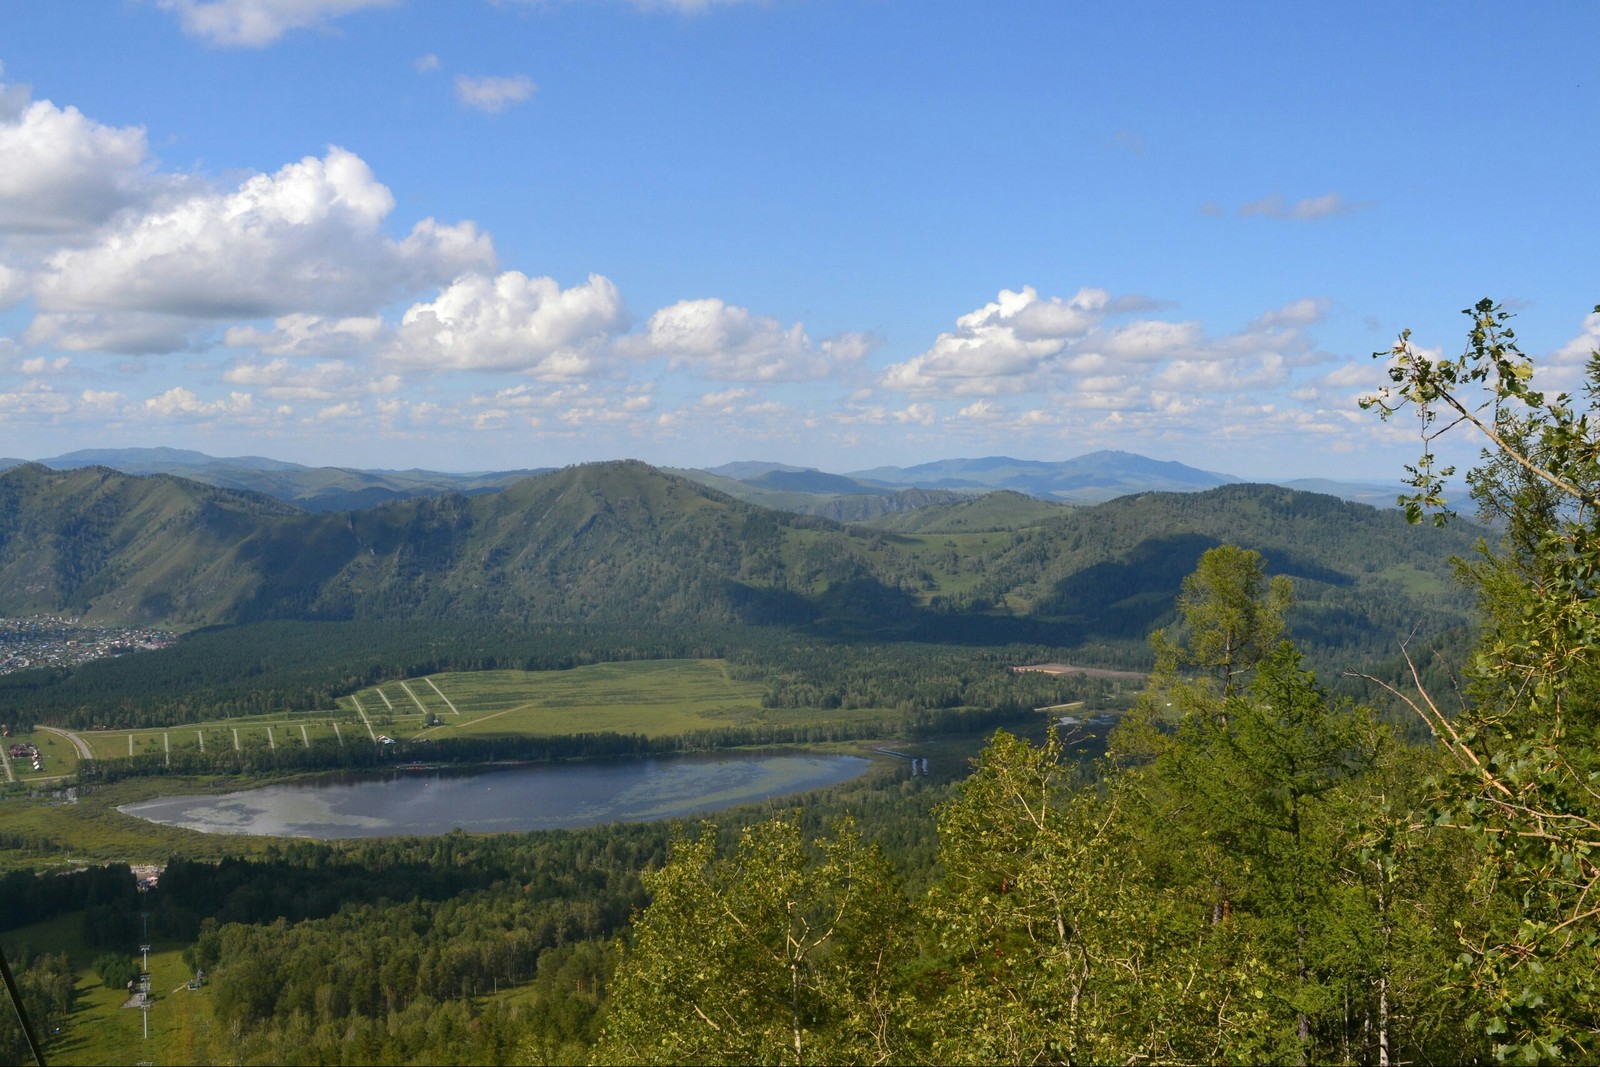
624,543
1091,478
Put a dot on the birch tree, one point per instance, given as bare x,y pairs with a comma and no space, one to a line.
783,952
1525,749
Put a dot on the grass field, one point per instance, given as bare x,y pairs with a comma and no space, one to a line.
285,729
60,759
651,697
100,1030
654,698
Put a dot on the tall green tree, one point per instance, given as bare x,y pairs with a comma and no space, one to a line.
1386,932
1260,780
1250,777
783,952
1191,904
1230,616
1525,750
1051,946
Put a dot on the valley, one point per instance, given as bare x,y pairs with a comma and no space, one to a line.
608,615
726,532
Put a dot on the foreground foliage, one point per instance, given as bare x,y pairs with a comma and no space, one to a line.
1228,887
1525,755
795,950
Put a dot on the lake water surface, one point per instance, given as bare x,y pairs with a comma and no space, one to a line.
502,799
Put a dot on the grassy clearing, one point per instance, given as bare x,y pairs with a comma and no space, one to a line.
654,697
1415,582
60,758
950,555
100,1030
265,731
650,697
61,834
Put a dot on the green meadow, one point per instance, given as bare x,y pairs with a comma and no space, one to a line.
59,757
100,1029
245,732
653,698
650,697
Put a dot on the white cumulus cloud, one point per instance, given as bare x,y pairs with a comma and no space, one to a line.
512,322
1002,345
309,335
729,343
63,172
128,332
307,239
179,402
1582,346
1020,344
14,286
283,379
43,365
1304,312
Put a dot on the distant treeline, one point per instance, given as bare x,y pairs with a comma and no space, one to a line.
305,666
917,677
27,898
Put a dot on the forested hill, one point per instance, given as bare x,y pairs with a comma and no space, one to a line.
116,547
625,542
1003,509
1363,576
611,540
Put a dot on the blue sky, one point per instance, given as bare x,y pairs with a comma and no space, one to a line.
834,233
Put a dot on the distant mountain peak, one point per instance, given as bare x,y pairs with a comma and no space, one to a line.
1085,479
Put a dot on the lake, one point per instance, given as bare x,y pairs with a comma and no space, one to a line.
544,796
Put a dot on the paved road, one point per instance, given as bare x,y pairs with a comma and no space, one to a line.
77,742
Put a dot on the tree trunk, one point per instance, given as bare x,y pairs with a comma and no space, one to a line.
1383,1020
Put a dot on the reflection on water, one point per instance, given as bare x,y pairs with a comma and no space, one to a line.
535,797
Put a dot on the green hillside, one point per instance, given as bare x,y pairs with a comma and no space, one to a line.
624,543
1363,577
111,547
1003,509
815,493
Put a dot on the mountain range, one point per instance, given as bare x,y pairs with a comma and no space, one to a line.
625,543
312,488
1088,479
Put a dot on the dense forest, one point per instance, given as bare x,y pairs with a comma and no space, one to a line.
626,545
1259,871
619,561
1256,866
